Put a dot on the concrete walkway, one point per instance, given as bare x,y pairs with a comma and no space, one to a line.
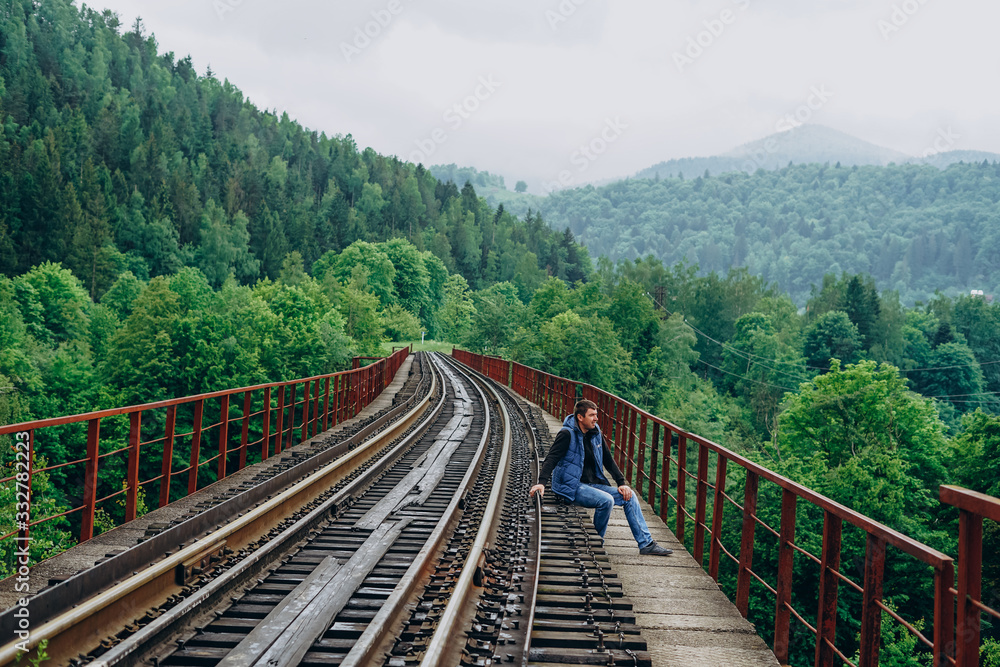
685,618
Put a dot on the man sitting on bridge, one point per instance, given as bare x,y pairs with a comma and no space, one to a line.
572,464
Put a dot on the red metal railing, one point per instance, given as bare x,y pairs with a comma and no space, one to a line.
494,368
653,454
270,418
973,507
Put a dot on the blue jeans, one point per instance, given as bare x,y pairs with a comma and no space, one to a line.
602,498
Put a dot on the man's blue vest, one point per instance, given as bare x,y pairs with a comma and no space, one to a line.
567,473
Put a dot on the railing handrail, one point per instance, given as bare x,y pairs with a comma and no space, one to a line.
629,426
927,554
327,399
971,501
165,403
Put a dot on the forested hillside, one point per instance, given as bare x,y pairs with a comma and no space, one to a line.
915,229
117,157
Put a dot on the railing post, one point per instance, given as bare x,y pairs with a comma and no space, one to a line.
718,504
786,560
653,451
326,405
668,446
266,425
632,417
701,501
199,410
681,482
355,393
338,399
871,613
90,479
315,411
223,434
132,479
826,616
641,459
279,434
245,431
166,468
291,417
970,568
747,544
944,628
306,401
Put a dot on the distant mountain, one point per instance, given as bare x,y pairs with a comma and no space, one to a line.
806,144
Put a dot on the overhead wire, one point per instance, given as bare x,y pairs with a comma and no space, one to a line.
821,368
753,357
743,377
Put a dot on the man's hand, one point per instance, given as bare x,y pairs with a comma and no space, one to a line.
537,488
626,492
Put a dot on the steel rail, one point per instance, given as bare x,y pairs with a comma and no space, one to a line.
390,619
536,463
154,585
441,644
537,575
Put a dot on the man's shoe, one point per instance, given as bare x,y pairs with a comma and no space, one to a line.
654,549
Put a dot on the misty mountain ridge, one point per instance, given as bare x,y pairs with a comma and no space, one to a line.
811,144
805,144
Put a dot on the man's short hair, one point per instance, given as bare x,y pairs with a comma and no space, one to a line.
582,406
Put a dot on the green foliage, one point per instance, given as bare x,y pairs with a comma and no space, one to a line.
587,349
224,246
832,336
380,271
117,157
634,319
400,324
977,453
455,316
867,431
760,365
793,225
989,654
119,298
899,645
52,302
498,313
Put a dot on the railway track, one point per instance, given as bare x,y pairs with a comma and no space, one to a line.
415,546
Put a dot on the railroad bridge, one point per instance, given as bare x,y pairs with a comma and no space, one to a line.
380,516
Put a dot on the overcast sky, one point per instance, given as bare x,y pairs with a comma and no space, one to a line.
639,81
